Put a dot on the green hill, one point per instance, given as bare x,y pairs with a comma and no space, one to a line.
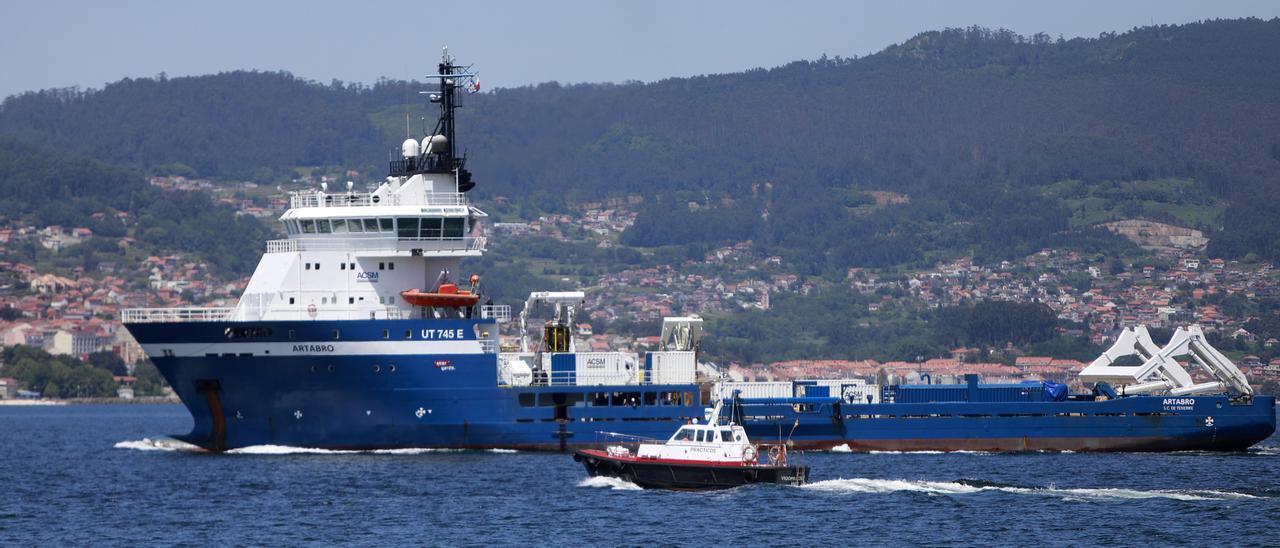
978,127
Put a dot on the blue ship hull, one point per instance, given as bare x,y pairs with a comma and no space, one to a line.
362,385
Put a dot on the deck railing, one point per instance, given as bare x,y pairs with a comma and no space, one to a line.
500,313
429,246
157,315
358,199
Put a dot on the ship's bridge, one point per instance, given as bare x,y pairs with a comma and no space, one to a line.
395,219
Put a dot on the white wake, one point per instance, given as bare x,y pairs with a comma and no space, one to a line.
868,485
158,444
170,444
604,482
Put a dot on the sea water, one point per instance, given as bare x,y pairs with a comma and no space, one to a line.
107,475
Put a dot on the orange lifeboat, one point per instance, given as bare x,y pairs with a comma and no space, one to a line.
447,296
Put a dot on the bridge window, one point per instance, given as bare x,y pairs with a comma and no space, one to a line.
387,225
339,226
355,225
454,227
407,227
308,226
322,226
371,225
431,228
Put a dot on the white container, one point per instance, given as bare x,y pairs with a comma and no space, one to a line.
597,368
725,390
671,367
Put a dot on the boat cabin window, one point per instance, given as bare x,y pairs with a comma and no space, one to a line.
726,435
339,226
701,433
599,399
371,225
322,226
650,398
387,225
526,399
684,434
308,226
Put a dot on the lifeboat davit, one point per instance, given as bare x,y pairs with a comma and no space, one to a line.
448,295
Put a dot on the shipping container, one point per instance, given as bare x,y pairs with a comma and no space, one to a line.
848,390
725,390
591,368
670,367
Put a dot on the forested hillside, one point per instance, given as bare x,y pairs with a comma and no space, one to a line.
974,126
42,187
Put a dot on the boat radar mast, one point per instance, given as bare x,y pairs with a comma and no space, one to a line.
436,152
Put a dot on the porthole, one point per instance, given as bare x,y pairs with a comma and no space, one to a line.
376,368
391,368
331,368
313,369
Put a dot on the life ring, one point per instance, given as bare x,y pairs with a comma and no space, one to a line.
775,454
749,454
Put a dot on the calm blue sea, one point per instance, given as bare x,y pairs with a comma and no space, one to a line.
104,475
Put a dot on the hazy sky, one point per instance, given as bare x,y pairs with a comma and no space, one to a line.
87,43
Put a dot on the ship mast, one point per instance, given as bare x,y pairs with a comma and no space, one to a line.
438,152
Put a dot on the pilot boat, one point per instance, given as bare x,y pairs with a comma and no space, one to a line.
697,457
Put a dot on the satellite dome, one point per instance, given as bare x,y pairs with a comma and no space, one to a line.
434,143
409,148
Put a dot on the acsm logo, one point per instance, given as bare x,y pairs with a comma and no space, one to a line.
371,277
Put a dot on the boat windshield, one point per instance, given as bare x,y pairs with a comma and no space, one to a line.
685,434
726,435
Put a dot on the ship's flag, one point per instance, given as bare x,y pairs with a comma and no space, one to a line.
474,87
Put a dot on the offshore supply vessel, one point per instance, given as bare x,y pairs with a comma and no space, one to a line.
354,334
